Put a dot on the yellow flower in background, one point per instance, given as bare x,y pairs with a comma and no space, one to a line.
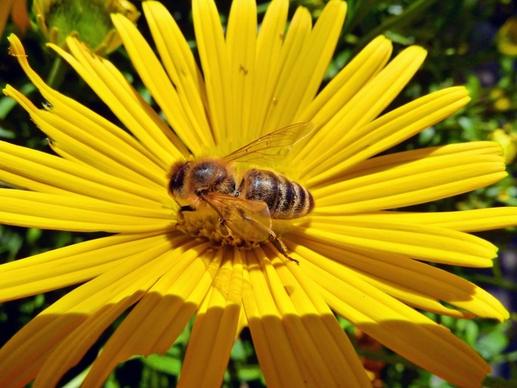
357,258
507,37
89,20
17,9
508,142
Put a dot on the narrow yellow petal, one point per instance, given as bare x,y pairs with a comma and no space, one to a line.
284,308
304,67
294,40
409,178
215,61
396,126
112,87
40,171
360,110
270,39
275,353
420,241
48,211
160,86
333,345
215,327
161,315
346,84
69,265
392,323
380,163
180,64
401,274
135,274
78,143
37,339
63,104
475,220
307,351
73,347
241,37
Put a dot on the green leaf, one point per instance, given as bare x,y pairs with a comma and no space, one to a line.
165,364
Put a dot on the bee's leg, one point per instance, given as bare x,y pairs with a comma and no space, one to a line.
280,246
222,220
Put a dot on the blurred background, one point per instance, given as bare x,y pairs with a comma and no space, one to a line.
470,42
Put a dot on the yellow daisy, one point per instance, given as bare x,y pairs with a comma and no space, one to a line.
356,257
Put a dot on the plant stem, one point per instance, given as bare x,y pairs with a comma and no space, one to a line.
57,73
405,17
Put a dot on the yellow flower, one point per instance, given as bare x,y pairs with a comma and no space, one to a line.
18,11
357,258
508,142
507,37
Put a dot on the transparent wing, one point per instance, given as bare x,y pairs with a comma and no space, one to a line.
249,220
273,144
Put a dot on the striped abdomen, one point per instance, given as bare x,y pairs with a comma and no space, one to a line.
284,198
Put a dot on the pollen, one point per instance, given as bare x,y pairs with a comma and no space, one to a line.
207,224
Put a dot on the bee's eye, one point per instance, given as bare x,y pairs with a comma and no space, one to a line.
177,178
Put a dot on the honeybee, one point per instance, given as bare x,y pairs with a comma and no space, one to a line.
243,214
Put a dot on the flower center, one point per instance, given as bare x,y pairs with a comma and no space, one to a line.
207,223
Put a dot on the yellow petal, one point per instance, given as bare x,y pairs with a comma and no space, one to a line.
415,283
215,62
394,127
72,264
114,90
77,142
475,220
49,211
303,67
215,327
130,100
40,171
347,83
156,321
405,331
411,177
420,241
275,352
44,333
336,349
241,40
298,332
270,39
366,105
72,349
160,86
180,64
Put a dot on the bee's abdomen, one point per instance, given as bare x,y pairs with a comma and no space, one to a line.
284,198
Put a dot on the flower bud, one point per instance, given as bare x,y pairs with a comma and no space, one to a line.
89,20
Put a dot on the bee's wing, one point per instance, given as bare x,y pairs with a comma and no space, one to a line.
249,220
273,144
